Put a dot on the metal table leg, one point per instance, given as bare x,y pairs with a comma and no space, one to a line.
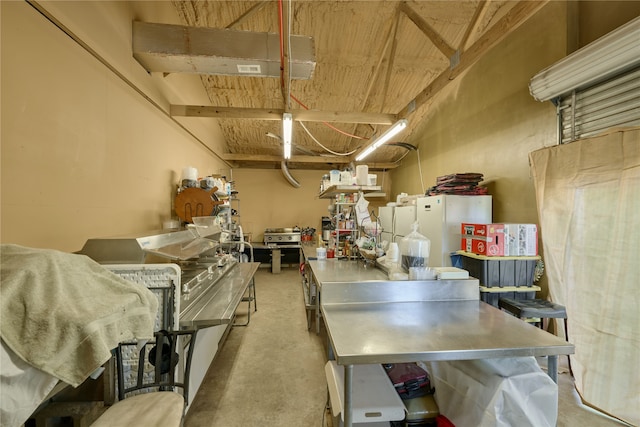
348,391
317,308
552,368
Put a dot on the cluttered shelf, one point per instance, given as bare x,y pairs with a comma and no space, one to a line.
334,190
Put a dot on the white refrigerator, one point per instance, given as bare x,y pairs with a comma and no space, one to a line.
385,215
440,217
403,219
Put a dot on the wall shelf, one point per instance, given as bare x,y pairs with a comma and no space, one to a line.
334,190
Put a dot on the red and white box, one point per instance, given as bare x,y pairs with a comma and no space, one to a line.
483,239
521,239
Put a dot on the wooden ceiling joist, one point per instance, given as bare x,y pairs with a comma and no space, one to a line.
515,17
276,114
478,14
424,26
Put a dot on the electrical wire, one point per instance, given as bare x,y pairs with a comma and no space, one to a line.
318,142
289,95
420,170
410,147
328,124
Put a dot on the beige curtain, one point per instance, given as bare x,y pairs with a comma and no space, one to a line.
588,196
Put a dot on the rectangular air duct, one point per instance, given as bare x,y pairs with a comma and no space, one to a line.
180,49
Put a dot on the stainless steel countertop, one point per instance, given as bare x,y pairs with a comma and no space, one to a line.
217,305
309,251
397,332
335,270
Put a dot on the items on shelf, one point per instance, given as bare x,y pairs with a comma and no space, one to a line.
359,176
505,239
458,183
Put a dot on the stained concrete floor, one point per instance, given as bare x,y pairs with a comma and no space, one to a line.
271,373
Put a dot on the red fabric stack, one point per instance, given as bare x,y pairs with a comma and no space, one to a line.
465,184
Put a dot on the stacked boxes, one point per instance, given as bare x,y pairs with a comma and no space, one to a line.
502,277
500,239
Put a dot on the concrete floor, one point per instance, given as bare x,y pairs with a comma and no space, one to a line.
271,373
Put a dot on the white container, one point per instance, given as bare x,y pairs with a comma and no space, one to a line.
345,178
334,177
321,253
393,253
362,175
190,173
421,273
372,179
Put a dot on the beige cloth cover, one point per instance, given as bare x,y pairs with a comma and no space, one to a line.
588,196
63,313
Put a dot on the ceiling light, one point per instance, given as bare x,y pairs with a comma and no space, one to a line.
287,125
611,54
397,127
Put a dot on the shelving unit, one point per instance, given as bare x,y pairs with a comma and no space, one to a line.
335,190
345,199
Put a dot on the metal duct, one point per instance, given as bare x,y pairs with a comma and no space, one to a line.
287,175
180,49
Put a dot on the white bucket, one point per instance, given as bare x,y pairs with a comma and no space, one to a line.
373,179
321,253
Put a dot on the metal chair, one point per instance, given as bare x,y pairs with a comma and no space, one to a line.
148,384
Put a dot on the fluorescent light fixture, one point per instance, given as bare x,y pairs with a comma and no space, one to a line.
287,127
386,136
610,55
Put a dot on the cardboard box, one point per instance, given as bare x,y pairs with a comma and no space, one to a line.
483,239
521,239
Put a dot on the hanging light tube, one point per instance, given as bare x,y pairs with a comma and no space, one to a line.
397,127
287,128
609,55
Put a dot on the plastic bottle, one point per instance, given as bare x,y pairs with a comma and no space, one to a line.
414,249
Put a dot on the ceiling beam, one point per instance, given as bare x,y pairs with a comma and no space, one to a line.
478,14
424,26
257,158
508,23
269,158
276,114
253,9
392,57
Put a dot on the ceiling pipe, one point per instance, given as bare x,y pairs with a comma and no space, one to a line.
287,175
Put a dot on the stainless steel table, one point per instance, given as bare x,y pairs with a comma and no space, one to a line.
401,322
335,270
